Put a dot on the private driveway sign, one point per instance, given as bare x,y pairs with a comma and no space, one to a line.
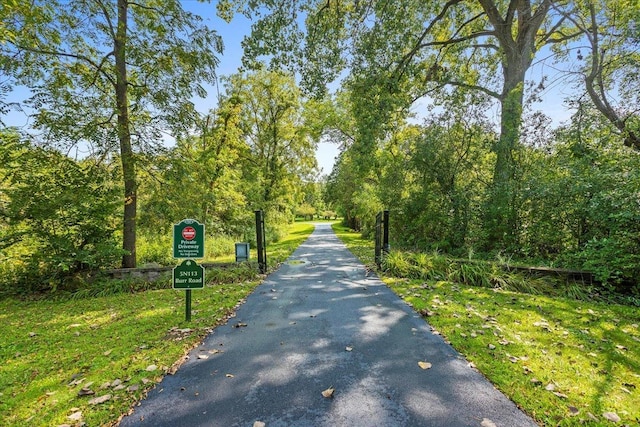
188,239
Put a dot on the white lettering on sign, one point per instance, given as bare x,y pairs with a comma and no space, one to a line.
188,273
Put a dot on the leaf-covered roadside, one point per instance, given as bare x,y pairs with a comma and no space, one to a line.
564,362
52,350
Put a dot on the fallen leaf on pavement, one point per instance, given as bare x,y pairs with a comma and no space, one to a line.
424,365
328,393
486,422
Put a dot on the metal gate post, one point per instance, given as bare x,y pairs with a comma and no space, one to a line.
385,237
378,250
261,241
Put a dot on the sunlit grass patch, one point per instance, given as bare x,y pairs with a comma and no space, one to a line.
119,345
552,356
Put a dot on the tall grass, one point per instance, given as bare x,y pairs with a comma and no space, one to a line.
477,273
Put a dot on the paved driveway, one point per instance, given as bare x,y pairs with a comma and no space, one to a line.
321,321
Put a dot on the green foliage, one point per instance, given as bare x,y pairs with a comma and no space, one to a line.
416,265
579,207
306,211
57,220
111,76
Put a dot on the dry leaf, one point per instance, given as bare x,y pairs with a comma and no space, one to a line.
85,391
328,393
550,387
100,399
612,416
424,365
259,424
573,410
151,368
560,395
76,416
491,347
203,356
486,422
229,375
349,348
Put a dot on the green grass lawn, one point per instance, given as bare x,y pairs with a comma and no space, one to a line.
564,362
115,347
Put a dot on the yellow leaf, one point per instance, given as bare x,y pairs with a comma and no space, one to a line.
328,393
424,365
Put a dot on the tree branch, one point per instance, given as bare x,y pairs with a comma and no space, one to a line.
399,70
98,67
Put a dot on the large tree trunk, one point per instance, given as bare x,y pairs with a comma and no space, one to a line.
516,34
501,213
124,135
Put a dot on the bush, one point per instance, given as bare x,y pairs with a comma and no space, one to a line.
58,220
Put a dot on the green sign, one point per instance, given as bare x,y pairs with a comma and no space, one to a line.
188,275
188,239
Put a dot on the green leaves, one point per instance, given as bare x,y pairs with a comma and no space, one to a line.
58,216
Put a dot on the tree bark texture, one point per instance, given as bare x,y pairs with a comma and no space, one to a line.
124,136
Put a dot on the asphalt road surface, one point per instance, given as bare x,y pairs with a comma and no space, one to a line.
322,321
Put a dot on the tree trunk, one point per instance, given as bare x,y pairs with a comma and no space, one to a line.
516,34
501,212
124,135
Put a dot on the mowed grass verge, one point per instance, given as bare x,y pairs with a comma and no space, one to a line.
565,362
114,347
